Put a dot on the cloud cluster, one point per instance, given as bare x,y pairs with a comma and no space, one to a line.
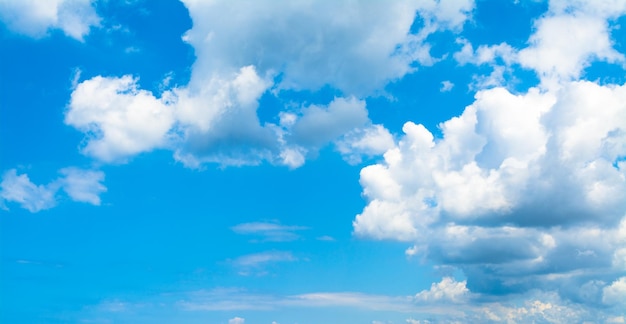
217,123
36,18
248,49
79,185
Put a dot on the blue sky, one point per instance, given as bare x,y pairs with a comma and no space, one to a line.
312,162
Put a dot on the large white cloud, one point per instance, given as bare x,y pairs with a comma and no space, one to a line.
521,189
36,18
314,43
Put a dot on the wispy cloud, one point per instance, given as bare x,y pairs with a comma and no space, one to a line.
529,307
269,231
257,263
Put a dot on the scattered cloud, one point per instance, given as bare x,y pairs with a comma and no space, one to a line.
257,263
447,290
363,142
80,185
83,185
273,232
213,119
615,293
37,18
326,238
236,320
19,189
526,308
569,37
446,86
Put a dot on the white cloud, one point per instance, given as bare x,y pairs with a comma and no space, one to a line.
570,36
80,185
319,125
236,320
564,44
83,185
336,38
218,121
253,260
485,54
522,190
19,189
351,299
565,40
366,141
35,18
532,307
615,293
447,290
215,123
446,86
258,263
213,119
269,231
118,119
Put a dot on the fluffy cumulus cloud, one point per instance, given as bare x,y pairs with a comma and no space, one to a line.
80,185
448,290
522,190
35,18
118,119
213,119
236,320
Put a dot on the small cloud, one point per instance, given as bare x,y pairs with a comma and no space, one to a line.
257,262
19,189
131,49
446,86
237,320
272,232
83,185
326,238
80,185
448,290
413,250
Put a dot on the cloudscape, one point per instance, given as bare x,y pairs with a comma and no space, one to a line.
403,161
